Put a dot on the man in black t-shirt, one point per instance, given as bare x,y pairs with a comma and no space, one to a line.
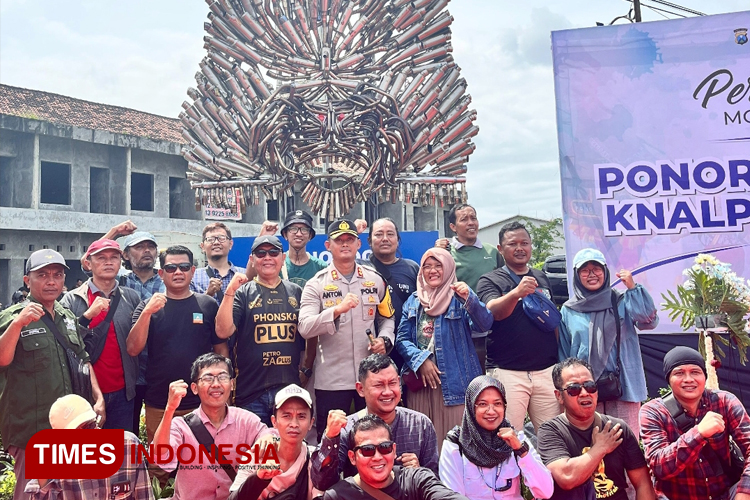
264,313
590,455
177,327
519,353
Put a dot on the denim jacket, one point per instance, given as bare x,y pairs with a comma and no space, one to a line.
455,352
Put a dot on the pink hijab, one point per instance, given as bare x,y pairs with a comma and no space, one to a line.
436,300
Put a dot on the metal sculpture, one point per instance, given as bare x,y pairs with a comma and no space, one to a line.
366,100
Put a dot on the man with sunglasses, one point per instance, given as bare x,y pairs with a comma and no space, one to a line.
373,453
686,434
414,433
176,327
264,313
106,309
74,412
219,271
590,455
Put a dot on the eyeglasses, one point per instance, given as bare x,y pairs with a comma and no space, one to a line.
505,487
368,450
208,379
214,239
299,230
273,252
595,271
94,423
574,389
484,406
430,268
183,266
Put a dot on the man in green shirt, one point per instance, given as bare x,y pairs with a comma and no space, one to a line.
473,258
33,364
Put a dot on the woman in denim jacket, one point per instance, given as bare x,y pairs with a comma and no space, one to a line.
434,338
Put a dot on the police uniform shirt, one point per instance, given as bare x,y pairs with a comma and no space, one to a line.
268,348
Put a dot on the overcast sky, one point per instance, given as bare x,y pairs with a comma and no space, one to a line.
144,54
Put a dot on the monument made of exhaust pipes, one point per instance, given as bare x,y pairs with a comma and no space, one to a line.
349,100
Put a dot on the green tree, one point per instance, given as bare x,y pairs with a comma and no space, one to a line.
543,238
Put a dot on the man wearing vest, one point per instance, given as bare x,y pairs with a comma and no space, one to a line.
264,313
106,309
33,361
686,435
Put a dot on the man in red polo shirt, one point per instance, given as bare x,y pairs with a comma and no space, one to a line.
105,310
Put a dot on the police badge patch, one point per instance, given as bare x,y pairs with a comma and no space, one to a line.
292,301
70,324
740,36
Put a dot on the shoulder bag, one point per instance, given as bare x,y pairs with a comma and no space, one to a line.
80,373
734,468
539,309
608,385
204,439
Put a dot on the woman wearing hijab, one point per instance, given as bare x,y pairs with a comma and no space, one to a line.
434,338
589,330
484,457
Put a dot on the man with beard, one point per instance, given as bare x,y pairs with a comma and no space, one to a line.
139,255
413,432
519,353
590,455
400,274
33,363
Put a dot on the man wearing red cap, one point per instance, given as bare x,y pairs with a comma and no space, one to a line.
105,309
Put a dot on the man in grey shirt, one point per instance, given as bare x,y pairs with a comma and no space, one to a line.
413,433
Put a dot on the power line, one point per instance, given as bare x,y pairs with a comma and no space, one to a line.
679,7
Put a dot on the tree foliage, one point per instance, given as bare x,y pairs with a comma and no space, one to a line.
543,237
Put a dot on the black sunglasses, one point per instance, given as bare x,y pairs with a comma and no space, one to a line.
273,252
574,389
368,450
184,267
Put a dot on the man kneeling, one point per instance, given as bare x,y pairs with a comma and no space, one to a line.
293,418
372,452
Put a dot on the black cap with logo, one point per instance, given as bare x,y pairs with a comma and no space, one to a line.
298,217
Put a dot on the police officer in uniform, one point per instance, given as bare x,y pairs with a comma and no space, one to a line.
339,304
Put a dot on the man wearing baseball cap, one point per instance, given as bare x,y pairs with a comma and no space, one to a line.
33,363
106,310
339,305
293,419
687,435
264,312
74,412
139,251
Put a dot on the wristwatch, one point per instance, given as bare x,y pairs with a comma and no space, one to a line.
523,449
307,372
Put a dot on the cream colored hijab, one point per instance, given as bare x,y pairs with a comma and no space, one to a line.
436,300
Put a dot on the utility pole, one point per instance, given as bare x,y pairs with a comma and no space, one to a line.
637,10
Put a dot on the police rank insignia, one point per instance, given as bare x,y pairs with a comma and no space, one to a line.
292,301
330,288
368,283
371,299
328,304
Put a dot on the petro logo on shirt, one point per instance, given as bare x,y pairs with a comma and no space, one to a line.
197,318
